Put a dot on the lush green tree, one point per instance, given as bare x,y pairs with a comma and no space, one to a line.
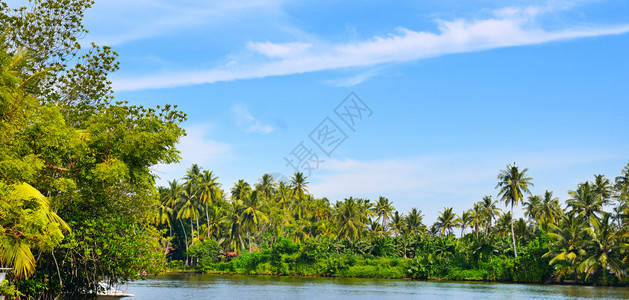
252,216
513,183
397,223
351,220
604,246
384,210
585,201
603,188
489,211
209,193
567,248
465,220
446,220
413,221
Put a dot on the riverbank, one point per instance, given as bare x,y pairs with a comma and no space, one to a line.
271,263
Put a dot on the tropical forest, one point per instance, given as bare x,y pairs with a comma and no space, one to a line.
80,203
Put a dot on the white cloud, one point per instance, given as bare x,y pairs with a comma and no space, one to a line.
285,50
245,119
507,27
196,148
353,80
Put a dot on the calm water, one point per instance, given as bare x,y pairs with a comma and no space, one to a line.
204,286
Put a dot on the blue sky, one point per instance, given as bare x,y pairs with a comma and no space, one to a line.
457,90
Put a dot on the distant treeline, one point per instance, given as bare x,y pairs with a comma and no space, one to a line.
280,228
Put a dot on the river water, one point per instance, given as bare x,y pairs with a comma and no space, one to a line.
206,286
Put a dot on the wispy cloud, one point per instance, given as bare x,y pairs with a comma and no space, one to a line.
506,28
245,119
196,148
353,80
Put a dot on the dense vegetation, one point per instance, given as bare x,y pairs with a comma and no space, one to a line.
279,228
78,203
75,188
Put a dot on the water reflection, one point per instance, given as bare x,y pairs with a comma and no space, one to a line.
204,286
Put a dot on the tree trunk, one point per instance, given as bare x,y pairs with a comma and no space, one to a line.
515,251
207,217
186,236
249,238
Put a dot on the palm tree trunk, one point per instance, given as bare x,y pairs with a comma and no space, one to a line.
207,217
249,238
186,236
515,251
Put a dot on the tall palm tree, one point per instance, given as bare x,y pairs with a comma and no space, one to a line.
549,210
513,184
532,209
188,209
266,186
234,223
383,209
299,186
161,215
283,195
209,188
322,209
464,220
604,247
252,216
446,220
489,211
413,221
476,217
567,248
216,218
193,175
240,190
351,220
397,223
622,182
603,188
585,201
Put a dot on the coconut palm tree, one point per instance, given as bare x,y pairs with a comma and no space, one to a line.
549,210
383,209
351,220
234,223
240,190
513,183
283,195
489,211
299,185
266,186
603,188
413,221
397,223
209,192
188,209
193,175
585,201
567,248
215,219
532,209
476,217
622,182
446,220
252,217
464,220
604,246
